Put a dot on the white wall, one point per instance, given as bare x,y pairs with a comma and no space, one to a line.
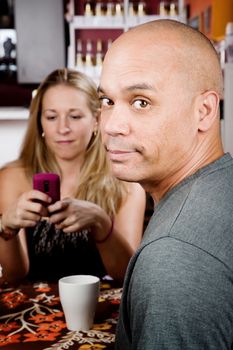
13,124
228,108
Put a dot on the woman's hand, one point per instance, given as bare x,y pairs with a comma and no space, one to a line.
26,211
72,215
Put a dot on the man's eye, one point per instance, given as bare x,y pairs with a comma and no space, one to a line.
105,101
139,104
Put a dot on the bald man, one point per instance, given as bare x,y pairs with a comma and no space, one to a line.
160,89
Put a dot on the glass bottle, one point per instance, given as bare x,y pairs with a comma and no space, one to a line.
79,56
99,58
141,9
173,9
229,42
88,10
89,58
99,9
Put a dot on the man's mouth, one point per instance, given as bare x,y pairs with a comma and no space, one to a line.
119,151
119,154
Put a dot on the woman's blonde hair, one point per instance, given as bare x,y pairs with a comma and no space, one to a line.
95,182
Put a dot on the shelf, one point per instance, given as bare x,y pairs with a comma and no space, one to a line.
133,21
103,22
14,113
95,22
85,27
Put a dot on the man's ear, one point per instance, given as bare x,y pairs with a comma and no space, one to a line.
208,105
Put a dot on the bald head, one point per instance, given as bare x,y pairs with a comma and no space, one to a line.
191,53
160,87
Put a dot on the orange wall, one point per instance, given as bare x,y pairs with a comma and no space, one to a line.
198,6
221,14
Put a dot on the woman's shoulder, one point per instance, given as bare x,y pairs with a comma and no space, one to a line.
14,176
12,171
136,195
134,188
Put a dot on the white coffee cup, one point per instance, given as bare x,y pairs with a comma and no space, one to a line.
79,296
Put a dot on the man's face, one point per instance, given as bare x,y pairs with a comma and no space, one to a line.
147,119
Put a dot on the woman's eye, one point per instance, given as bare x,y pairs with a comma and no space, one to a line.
75,116
50,117
105,101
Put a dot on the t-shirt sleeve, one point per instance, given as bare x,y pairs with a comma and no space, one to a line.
179,297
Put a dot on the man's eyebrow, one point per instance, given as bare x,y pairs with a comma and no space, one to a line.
139,86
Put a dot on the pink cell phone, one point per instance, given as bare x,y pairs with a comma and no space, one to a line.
48,183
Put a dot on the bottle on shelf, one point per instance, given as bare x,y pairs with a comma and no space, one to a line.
89,65
119,9
98,58
109,43
220,48
110,9
88,12
173,9
141,12
132,12
118,13
141,9
99,9
163,8
229,42
79,56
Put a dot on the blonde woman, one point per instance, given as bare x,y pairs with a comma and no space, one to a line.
97,225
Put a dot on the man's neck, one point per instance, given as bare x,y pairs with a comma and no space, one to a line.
159,189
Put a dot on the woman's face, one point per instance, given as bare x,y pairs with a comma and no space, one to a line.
67,122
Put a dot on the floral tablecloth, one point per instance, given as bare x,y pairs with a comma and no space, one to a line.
31,318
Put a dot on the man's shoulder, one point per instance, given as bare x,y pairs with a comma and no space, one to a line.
171,264
199,213
173,284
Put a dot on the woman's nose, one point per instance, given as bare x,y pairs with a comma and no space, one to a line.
64,126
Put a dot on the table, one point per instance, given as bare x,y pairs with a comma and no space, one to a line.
31,318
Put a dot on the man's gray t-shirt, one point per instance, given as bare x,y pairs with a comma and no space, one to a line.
178,291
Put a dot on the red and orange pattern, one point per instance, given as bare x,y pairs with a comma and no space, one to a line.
33,314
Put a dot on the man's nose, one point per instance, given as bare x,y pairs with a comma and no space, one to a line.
115,121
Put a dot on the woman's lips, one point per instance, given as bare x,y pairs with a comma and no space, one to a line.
61,142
